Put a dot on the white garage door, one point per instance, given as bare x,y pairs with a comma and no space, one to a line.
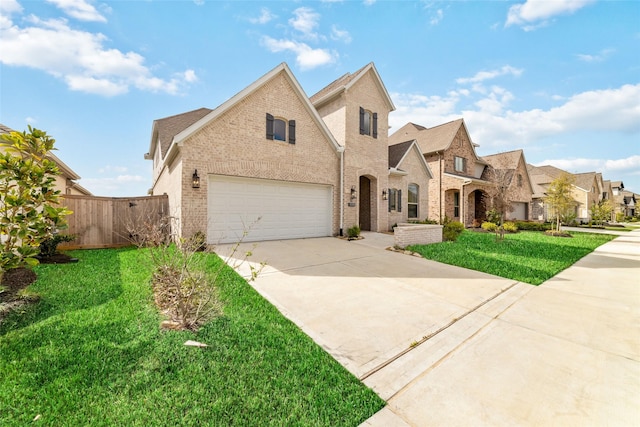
519,211
267,209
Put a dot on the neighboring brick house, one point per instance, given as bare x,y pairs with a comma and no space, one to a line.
458,189
510,169
624,201
66,181
409,175
275,163
586,191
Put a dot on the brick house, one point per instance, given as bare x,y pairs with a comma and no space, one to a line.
624,201
509,169
278,164
460,186
588,190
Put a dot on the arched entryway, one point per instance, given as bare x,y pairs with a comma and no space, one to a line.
478,201
367,203
364,212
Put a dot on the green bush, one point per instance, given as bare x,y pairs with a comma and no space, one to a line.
353,232
452,230
424,221
493,216
532,226
510,227
49,247
489,226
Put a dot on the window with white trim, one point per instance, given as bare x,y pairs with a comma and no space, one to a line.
456,204
280,129
412,201
368,123
459,164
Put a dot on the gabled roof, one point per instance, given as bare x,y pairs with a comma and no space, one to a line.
509,160
435,139
398,152
165,129
345,82
538,179
506,160
617,184
283,68
585,180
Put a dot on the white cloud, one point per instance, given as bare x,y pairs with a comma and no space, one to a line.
305,20
79,9
487,75
535,13
265,17
631,163
337,34
109,168
368,2
306,57
81,59
120,185
493,125
599,57
437,17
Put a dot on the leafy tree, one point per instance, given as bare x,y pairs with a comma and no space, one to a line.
29,212
601,211
559,197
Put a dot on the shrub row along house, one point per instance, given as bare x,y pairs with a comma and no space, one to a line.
273,163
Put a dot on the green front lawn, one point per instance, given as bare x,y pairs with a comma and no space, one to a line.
528,256
91,353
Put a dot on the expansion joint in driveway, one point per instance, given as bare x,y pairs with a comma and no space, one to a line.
433,334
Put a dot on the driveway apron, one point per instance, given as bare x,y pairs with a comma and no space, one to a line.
449,346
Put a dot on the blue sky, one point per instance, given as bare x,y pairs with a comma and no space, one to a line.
560,79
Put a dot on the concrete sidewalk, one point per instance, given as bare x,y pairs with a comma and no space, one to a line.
449,346
564,353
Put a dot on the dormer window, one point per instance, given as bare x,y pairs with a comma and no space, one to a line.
277,129
368,123
459,164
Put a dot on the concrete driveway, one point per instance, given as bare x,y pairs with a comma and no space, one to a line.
449,346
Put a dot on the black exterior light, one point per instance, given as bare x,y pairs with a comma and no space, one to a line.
195,181
354,193
384,194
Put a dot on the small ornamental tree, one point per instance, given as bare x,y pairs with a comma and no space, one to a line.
601,211
498,196
29,213
559,197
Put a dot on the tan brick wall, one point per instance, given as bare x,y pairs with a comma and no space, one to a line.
416,234
170,182
416,175
235,144
364,155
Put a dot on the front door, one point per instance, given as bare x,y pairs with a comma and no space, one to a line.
365,204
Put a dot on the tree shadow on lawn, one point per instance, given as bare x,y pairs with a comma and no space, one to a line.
65,288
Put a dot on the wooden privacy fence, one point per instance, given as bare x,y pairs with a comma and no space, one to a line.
107,222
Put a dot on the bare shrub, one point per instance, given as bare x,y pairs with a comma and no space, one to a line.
184,290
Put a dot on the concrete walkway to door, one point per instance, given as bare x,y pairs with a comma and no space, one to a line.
448,346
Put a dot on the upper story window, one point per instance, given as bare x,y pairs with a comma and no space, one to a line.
519,180
368,123
460,164
280,129
413,201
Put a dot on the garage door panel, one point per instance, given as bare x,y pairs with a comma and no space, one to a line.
287,210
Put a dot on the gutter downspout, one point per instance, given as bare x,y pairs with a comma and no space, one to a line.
341,151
